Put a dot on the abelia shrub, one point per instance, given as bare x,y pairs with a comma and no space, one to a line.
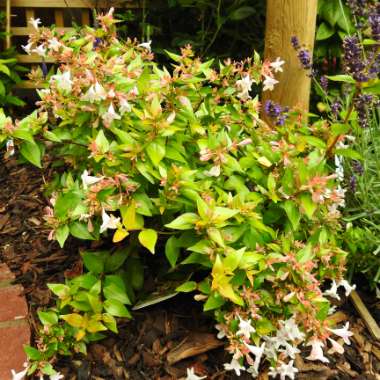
179,162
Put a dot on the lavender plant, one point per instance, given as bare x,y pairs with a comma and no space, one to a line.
355,110
180,163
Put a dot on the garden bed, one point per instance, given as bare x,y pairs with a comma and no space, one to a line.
149,345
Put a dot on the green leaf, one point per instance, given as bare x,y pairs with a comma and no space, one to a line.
315,141
48,318
324,31
172,251
59,290
32,153
350,153
102,142
5,70
292,213
342,78
331,11
183,222
80,231
187,287
116,308
48,369
94,261
32,353
156,151
241,13
114,288
214,301
305,254
308,205
61,234
110,322
148,239
135,272
73,319
116,260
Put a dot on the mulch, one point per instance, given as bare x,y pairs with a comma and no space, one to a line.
161,341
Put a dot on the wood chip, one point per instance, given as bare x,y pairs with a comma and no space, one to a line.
194,344
371,324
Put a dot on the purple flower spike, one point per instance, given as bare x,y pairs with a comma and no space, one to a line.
353,183
357,167
305,58
295,43
374,22
335,108
324,82
354,63
362,104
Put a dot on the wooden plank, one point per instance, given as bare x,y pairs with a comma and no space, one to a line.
29,13
27,85
32,58
26,31
58,16
70,3
371,324
287,18
8,16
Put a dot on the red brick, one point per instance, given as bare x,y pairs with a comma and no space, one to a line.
5,273
12,304
12,355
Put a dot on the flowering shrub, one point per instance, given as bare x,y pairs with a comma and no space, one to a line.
181,163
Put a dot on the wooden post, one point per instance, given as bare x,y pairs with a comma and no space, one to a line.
8,24
287,18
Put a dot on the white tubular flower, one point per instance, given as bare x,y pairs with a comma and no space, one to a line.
284,371
40,50
290,331
269,83
245,328
244,85
192,376
63,81
333,291
27,48
124,106
221,331
234,366
317,351
347,287
277,65
146,45
343,333
19,375
336,347
35,22
213,172
54,44
56,376
258,352
109,222
289,350
95,93
110,115
10,145
88,180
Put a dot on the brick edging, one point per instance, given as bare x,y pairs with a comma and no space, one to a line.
14,326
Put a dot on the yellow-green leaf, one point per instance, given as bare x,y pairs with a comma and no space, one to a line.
148,239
